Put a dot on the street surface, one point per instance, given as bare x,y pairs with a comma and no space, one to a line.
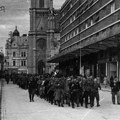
16,106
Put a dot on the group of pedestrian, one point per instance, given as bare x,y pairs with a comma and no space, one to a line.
72,90
66,90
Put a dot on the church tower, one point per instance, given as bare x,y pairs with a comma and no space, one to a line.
39,12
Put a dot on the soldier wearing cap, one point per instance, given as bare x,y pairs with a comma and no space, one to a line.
31,88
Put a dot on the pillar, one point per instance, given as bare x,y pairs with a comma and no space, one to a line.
118,70
106,69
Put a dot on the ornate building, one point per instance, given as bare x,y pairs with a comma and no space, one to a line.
44,26
16,52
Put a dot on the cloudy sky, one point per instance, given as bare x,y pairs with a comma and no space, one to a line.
16,14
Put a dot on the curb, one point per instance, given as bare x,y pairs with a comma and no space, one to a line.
1,84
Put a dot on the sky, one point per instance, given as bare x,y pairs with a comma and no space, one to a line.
16,14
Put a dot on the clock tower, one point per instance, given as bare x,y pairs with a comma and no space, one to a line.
39,12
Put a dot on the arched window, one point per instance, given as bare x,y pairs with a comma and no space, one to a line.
41,3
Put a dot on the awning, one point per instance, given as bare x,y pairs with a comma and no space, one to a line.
92,48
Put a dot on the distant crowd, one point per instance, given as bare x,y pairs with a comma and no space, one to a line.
74,91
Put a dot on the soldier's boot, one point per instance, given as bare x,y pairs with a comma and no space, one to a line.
77,104
98,104
58,103
73,106
86,106
91,104
55,102
30,97
62,105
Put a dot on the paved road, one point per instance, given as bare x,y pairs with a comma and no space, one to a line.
16,106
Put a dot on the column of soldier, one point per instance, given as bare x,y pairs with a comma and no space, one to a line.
73,91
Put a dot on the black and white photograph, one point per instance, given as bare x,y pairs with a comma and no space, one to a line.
59,59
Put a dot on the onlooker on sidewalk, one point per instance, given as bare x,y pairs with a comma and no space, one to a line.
118,93
114,89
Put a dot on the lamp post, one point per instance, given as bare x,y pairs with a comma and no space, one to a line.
80,59
35,60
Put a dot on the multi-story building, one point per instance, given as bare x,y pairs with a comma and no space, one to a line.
16,51
90,38
44,26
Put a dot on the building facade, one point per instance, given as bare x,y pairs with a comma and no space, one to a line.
16,53
90,38
43,28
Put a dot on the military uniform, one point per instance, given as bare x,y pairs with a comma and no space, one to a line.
96,92
31,89
86,92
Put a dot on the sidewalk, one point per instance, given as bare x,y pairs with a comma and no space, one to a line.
1,83
16,106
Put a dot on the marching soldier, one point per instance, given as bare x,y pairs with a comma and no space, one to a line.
96,92
86,91
31,89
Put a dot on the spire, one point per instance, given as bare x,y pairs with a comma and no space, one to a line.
16,32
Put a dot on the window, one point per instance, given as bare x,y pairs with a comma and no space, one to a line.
91,22
70,35
41,3
71,5
23,63
86,7
14,63
96,17
23,54
14,54
91,3
86,26
65,38
71,20
74,33
63,14
112,7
